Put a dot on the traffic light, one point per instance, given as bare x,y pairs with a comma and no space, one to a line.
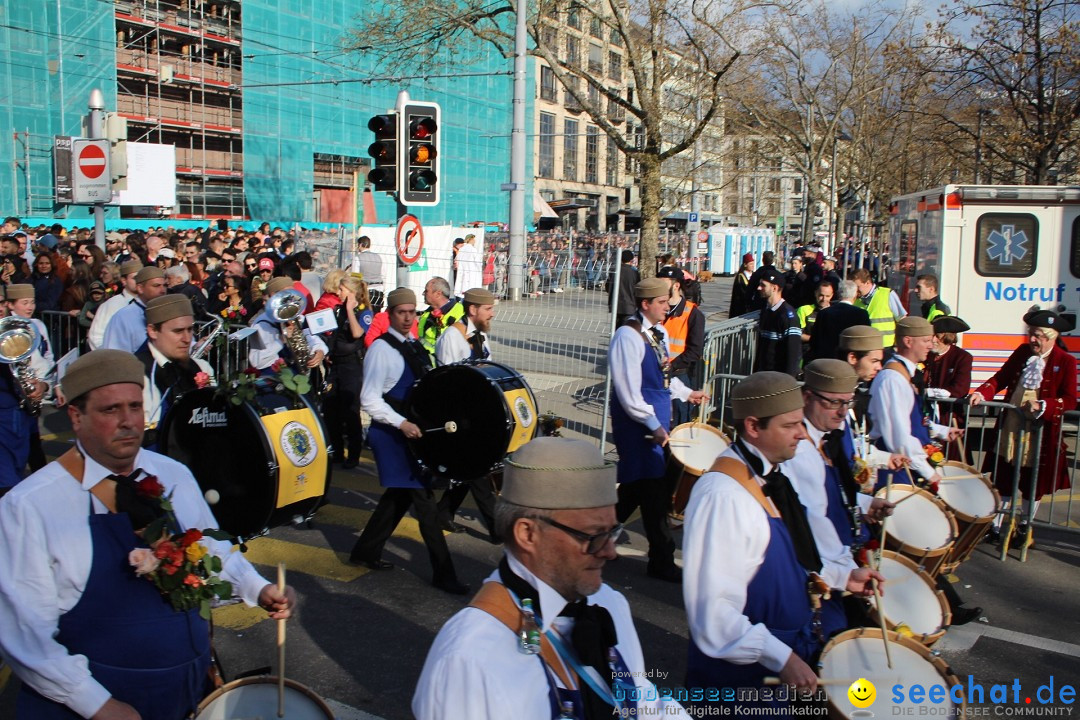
419,164
384,152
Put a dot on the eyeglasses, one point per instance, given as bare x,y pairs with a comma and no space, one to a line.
833,404
88,256
593,543
251,266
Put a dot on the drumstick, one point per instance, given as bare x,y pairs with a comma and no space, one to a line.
959,440
906,497
281,646
881,617
450,426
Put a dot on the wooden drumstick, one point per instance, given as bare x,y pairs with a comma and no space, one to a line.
281,646
881,618
959,440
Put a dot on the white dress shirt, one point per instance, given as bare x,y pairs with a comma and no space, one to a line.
264,350
151,394
45,559
383,366
725,536
891,401
95,338
474,669
452,347
624,359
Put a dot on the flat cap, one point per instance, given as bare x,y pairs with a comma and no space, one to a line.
949,324
99,368
553,473
913,326
114,236
400,296
770,274
165,308
278,284
149,273
861,338
479,296
828,375
765,394
21,291
650,288
131,266
1047,319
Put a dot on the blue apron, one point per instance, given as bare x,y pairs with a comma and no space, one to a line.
139,648
397,466
777,598
15,426
920,432
640,457
625,692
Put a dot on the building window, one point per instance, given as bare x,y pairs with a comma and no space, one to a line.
612,164
570,133
615,111
614,63
569,100
774,185
573,52
547,83
596,59
614,37
550,39
594,96
592,154
547,146
573,16
596,28
797,185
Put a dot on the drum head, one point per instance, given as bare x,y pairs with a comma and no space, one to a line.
910,596
486,401
971,496
918,521
696,446
258,698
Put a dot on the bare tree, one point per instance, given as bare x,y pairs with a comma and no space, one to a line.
675,51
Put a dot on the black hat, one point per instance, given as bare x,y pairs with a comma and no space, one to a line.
669,271
949,324
772,275
1047,319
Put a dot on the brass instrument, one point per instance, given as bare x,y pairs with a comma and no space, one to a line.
18,340
199,349
287,307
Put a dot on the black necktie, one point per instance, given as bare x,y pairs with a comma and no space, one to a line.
834,450
141,510
476,342
657,334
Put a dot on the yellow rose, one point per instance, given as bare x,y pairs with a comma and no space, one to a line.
937,457
195,552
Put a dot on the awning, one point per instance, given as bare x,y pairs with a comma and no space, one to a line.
566,204
541,207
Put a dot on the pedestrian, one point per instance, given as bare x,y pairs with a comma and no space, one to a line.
740,288
779,335
832,321
881,304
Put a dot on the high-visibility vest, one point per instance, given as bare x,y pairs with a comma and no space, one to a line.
430,328
935,311
881,315
807,316
678,326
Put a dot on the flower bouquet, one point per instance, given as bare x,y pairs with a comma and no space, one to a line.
182,570
244,387
934,455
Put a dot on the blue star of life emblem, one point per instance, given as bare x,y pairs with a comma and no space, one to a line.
1006,243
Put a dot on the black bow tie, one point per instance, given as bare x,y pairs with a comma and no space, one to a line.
656,333
140,509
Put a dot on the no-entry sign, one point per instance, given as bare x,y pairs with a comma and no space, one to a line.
91,179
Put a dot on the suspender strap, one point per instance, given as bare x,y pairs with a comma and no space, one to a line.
739,472
73,462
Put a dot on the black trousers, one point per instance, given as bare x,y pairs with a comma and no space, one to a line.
653,496
392,506
482,493
341,410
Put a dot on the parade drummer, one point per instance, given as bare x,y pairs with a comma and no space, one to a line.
88,636
557,515
170,369
749,608
269,343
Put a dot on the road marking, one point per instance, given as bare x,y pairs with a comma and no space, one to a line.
237,616
962,638
307,559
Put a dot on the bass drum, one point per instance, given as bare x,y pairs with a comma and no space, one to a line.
257,697
490,405
260,464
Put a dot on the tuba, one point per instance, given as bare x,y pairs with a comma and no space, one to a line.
287,307
202,347
18,340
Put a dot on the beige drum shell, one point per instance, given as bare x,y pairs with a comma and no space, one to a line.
860,653
916,531
258,697
974,501
694,448
923,607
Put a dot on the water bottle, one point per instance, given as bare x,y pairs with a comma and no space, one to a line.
530,631
567,710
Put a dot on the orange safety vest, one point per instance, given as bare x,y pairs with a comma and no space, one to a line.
677,327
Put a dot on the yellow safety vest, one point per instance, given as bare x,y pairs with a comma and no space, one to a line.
881,316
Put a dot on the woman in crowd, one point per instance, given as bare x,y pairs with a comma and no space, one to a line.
78,289
948,375
48,287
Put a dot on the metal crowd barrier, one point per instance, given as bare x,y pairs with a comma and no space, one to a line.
728,356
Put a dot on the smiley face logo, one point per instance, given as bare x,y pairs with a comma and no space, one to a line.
862,693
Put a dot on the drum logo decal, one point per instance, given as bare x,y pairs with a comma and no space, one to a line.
298,443
205,418
523,412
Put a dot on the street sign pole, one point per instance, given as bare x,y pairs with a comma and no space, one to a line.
402,210
97,130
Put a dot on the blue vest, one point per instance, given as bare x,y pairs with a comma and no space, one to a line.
640,457
397,466
15,427
919,431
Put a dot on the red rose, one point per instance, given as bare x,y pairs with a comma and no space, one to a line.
149,487
164,549
191,536
278,364
193,580
202,380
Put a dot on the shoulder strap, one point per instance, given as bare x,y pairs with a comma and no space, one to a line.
73,462
740,473
495,600
460,327
898,367
419,366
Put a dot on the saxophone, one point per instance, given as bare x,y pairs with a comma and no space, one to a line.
18,340
286,307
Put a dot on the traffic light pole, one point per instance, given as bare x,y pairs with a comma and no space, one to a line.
402,210
516,262
96,125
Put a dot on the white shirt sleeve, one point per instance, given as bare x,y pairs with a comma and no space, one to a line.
627,352
891,400
451,347
96,336
383,366
264,351
895,305
725,538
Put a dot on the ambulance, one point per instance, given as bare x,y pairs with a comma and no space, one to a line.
997,250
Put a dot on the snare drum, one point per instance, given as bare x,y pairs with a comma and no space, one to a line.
492,406
257,697
911,598
263,463
860,653
974,501
694,447
921,527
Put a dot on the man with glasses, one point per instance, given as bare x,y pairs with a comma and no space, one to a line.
557,515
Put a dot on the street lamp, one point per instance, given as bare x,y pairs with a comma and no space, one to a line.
833,214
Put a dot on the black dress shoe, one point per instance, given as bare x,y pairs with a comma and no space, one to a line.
372,564
350,464
669,573
963,615
993,537
452,586
451,526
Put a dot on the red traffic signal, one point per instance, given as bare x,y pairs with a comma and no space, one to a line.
419,164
